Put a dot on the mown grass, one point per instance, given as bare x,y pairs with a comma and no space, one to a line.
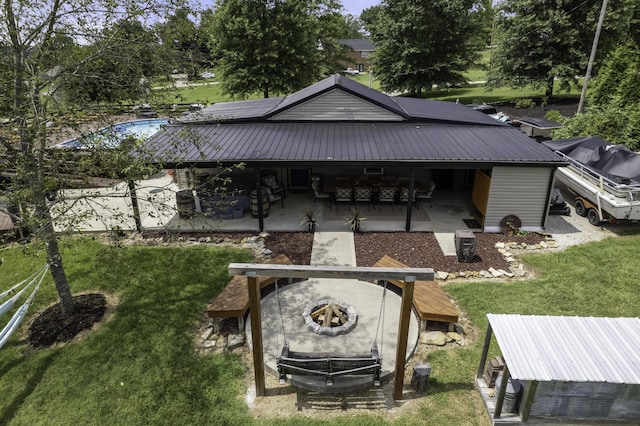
209,93
141,367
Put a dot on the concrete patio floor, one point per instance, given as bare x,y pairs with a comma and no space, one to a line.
106,208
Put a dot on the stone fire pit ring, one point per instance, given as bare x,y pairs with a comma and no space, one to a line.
352,318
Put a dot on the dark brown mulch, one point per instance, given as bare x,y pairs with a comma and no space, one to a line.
296,245
54,326
421,250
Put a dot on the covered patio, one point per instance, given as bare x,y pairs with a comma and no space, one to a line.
342,143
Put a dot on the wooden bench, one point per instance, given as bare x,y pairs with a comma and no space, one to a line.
431,302
233,301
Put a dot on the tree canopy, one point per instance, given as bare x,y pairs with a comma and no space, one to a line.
538,41
613,111
420,44
47,46
273,46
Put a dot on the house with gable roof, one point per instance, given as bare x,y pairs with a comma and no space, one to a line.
360,50
341,128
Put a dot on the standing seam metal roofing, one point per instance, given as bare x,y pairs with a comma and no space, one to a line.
411,109
569,349
353,142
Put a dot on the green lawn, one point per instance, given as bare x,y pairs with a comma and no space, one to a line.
209,93
141,367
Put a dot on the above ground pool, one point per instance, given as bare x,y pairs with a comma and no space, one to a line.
112,136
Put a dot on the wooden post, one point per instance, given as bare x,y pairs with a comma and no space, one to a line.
259,195
501,392
411,195
403,335
256,331
527,400
485,352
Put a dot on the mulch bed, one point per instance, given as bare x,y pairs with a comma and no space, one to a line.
54,326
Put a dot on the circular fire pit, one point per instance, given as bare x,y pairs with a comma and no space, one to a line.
329,318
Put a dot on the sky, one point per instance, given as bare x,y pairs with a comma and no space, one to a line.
355,7
352,7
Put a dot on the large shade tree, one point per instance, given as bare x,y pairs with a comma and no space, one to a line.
420,44
39,52
538,42
613,111
184,42
272,46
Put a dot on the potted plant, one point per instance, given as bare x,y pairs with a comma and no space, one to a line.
310,219
354,219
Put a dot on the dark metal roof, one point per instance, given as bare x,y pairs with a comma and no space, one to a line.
540,123
447,112
411,109
358,44
349,142
230,111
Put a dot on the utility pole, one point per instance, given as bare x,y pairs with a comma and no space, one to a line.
592,57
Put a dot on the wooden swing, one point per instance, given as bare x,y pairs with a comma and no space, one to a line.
341,370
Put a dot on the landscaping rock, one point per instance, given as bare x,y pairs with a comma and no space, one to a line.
440,275
207,333
437,338
235,341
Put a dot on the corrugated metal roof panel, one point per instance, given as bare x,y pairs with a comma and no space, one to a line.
229,111
445,111
349,142
569,349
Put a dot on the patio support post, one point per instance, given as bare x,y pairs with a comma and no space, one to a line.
134,204
412,178
485,352
403,335
259,200
256,331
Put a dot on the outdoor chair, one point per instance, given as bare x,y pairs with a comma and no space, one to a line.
363,195
273,197
426,195
318,194
276,189
404,196
387,195
342,195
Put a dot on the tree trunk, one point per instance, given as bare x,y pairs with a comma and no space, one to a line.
54,258
549,91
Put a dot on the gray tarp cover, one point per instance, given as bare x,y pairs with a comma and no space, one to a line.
615,162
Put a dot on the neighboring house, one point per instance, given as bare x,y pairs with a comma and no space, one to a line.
360,50
338,127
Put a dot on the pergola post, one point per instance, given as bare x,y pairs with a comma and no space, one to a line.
403,335
256,331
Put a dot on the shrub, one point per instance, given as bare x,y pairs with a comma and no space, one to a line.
525,103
